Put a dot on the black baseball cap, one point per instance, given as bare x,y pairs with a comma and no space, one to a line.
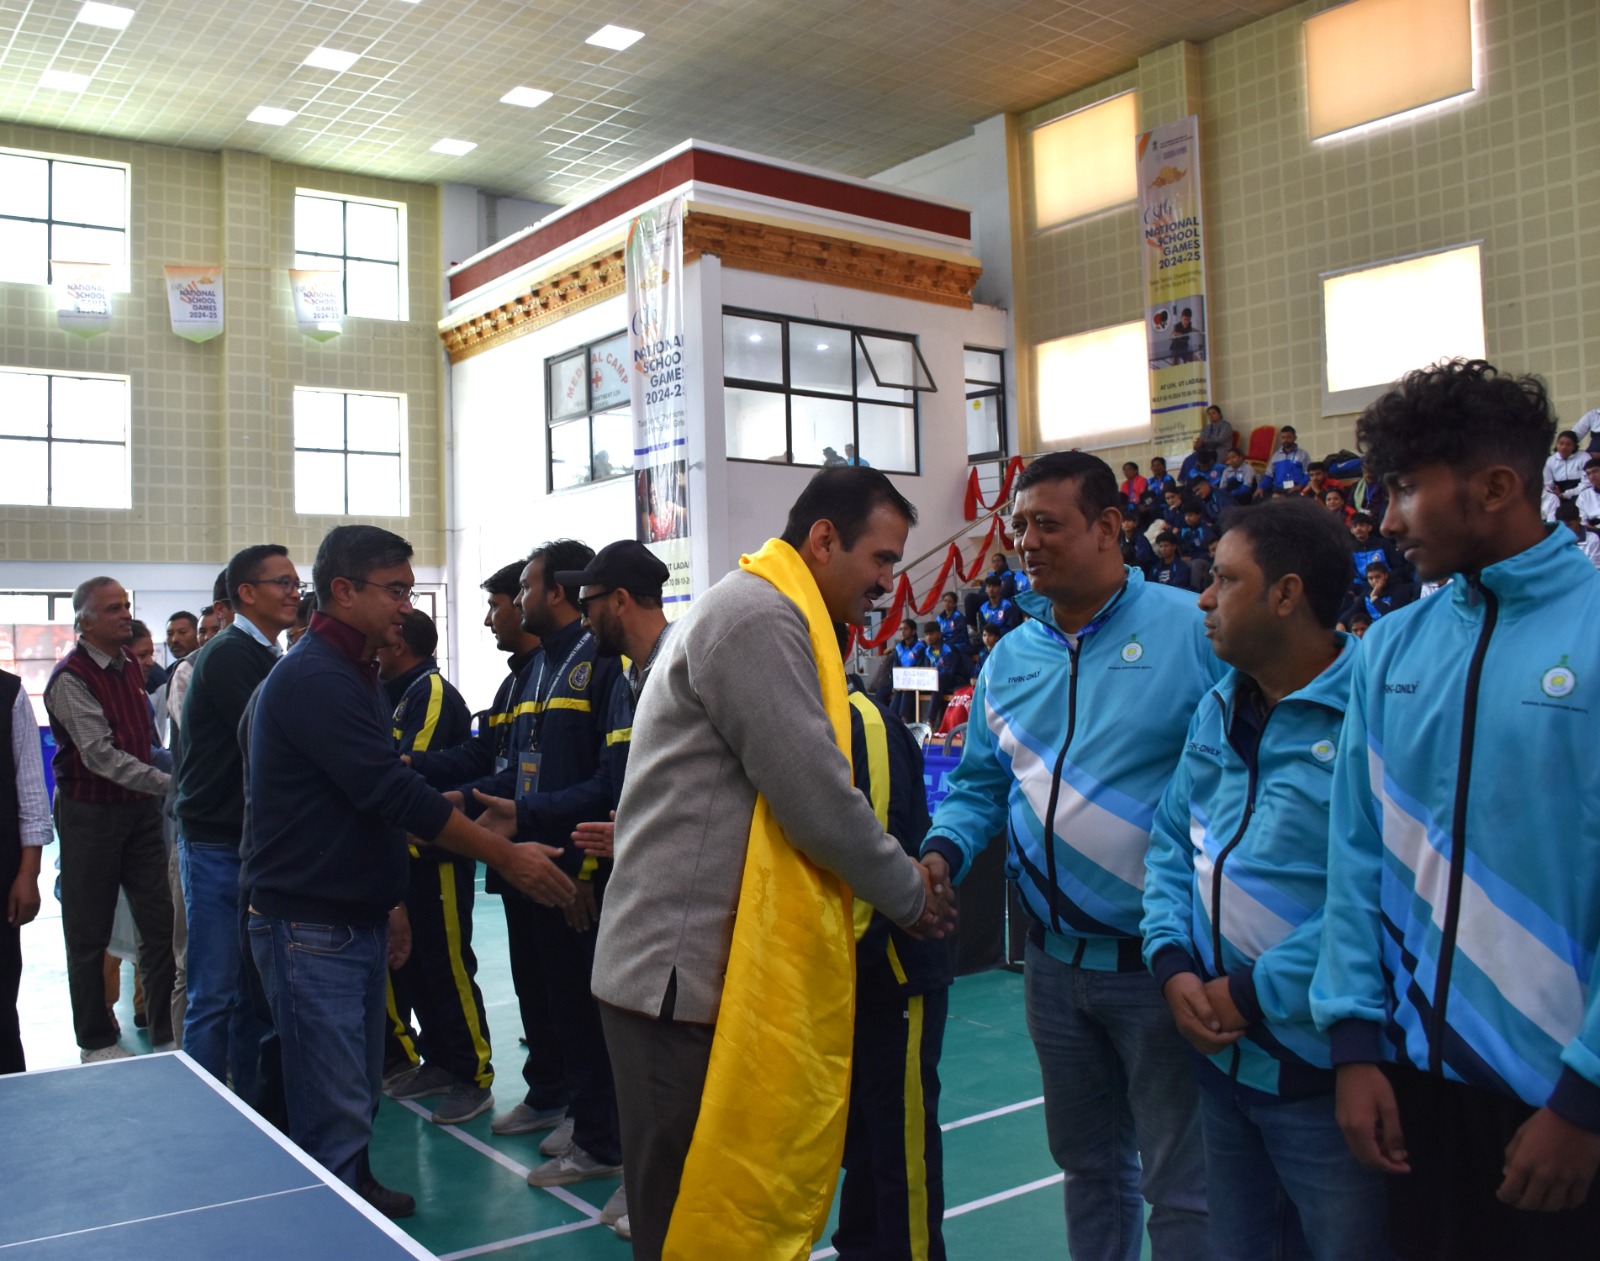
624,565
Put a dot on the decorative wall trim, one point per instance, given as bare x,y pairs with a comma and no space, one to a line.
554,298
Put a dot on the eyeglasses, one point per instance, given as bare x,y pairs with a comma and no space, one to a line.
399,592
284,584
585,600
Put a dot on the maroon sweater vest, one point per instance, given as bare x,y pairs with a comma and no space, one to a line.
121,696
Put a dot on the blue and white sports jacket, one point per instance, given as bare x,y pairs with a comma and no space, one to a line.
1238,870
1463,914
1083,732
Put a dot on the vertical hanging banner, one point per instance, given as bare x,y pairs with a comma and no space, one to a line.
1176,328
82,294
661,356
318,303
194,300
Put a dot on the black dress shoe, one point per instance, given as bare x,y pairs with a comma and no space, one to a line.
392,1204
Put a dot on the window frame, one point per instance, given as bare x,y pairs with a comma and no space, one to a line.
345,451
121,268
858,353
402,279
585,417
51,441
988,389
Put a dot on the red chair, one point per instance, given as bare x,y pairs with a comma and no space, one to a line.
1260,450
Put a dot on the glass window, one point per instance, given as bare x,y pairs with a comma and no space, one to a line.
1085,163
349,456
986,403
64,440
35,632
1094,387
803,392
364,240
60,208
589,405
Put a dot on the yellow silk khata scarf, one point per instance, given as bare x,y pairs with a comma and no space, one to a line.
759,1177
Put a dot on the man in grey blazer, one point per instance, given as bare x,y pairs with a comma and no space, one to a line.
735,710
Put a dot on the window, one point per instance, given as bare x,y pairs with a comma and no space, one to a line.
349,453
986,403
1094,388
64,440
363,239
1375,59
1085,163
1383,321
55,208
802,392
589,395
35,632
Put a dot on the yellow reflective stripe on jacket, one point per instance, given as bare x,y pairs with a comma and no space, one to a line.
622,735
877,784
430,722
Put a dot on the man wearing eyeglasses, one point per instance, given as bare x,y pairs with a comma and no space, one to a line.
221,1030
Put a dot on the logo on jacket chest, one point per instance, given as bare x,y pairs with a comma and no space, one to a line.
1559,680
579,678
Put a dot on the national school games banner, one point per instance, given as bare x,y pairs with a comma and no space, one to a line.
82,293
318,303
1175,279
194,300
661,356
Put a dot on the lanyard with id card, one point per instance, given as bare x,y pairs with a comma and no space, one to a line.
529,772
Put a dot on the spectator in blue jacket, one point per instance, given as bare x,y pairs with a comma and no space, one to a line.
1169,570
1136,550
1235,879
1456,978
996,610
1287,469
1238,482
1172,513
1194,543
953,667
1206,495
953,624
991,636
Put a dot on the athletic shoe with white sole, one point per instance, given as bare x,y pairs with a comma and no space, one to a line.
422,1083
559,1141
464,1102
575,1166
621,1228
525,1120
100,1054
616,1208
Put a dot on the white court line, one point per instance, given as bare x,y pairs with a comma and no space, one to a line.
989,1116
156,1217
484,1248
973,1205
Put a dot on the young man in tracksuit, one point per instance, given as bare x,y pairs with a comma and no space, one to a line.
1234,884
439,980
1457,979
891,1203
1054,763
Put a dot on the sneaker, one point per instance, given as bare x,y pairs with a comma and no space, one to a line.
428,1080
560,1140
525,1120
112,1052
575,1165
392,1204
392,1075
464,1102
621,1228
616,1209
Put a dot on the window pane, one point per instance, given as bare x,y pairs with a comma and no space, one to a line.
24,400
25,480
24,252
372,290
866,387
319,225
569,454
318,482
982,365
613,444
569,395
608,374
23,187
822,428
889,438
983,426
319,422
90,407
819,358
318,262
375,486
1084,163
755,425
87,245
373,423
89,476
21,606
752,350
895,361
373,231
90,194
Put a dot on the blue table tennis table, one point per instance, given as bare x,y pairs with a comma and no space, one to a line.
151,1158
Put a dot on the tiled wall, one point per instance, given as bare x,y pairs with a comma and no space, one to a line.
1517,167
212,426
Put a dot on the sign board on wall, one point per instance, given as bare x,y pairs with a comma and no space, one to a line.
82,294
318,303
194,300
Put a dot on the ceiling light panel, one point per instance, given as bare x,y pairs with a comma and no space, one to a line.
269,115
454,148
111,16
526,97
63,80
617,37
331,59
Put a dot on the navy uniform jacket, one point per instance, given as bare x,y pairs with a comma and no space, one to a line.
489,750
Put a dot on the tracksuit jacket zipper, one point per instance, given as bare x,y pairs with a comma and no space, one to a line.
1055,788
1222,854
1458,824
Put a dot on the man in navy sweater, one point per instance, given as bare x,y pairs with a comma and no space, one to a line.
324,860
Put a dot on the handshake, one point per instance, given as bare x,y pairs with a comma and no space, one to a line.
938,917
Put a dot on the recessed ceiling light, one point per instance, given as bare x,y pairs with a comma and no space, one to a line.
618,37
65,80
527,97
112,16
271,116
331,59
455,148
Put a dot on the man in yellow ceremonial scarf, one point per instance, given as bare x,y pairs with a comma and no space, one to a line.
725,965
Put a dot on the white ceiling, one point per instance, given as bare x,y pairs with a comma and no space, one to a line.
853,86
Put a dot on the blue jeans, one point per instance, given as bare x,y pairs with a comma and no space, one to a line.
325,985
1284,1186
221,1030
1120,1110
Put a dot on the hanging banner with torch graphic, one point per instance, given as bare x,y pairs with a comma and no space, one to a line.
194,300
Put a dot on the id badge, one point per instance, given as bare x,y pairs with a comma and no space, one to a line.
528,779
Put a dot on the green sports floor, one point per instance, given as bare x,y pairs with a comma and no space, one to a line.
1002,1191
